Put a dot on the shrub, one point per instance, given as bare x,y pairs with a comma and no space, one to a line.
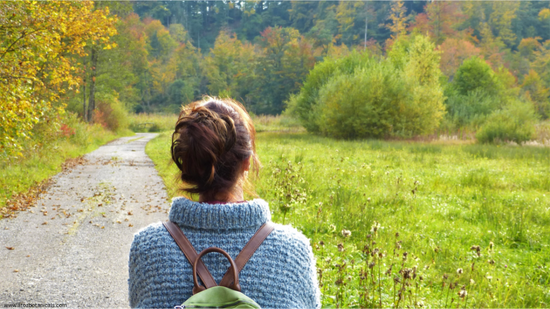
304,104
474,74
361,96
155,127
360,105
472,108
110,113
514,123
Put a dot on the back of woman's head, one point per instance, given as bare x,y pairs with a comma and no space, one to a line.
212,140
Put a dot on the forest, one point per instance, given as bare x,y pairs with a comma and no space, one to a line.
488,61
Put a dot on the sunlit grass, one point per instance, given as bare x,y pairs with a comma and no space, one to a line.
442,200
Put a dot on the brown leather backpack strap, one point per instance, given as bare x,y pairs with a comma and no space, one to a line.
190,253
248,250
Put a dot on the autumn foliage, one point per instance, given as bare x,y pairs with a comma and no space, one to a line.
38,45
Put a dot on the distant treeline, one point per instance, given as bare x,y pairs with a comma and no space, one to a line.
170,53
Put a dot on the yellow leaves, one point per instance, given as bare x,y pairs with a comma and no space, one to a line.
544,14
36,62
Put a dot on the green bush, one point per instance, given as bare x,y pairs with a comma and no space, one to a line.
304,104
360,96
474,74
110,113
514,123
472,108
347,110
155,127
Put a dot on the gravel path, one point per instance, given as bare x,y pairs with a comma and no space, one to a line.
72,247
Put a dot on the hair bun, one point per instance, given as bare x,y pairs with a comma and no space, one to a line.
210,143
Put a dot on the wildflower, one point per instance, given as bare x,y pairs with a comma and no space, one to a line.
375,227
371,265
407,273
462,293
420,304
322,243
491,244
368,199
459,271
397,235
472,282
341,247
445,276
346,233
492,262
328,260
405,256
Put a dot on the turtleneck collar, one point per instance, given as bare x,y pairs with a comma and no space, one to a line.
219,216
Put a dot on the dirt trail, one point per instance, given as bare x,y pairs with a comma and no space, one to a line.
72,247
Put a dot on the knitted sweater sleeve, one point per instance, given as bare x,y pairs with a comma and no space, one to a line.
304,283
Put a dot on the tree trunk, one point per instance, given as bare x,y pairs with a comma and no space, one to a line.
91,101
84,109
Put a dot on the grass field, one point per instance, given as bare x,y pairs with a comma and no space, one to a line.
397,224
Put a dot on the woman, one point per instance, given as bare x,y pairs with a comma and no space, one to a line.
213,147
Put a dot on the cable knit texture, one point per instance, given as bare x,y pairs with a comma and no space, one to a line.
280,274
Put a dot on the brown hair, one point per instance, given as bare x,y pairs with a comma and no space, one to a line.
211,141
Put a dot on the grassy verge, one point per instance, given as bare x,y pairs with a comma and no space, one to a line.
397,224
45,155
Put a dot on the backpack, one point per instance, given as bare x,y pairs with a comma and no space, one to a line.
228,293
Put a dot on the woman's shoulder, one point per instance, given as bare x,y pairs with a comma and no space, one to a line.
289,234
288,242
152,233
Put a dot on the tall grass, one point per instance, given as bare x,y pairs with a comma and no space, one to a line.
152,122
397,224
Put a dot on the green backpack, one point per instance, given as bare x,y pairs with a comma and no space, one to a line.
228,293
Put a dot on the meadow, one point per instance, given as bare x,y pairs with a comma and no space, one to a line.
409,224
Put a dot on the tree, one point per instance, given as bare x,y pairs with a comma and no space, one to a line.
474,74
38,42
501,21
230,67
443,18
453,54
398,26
534,88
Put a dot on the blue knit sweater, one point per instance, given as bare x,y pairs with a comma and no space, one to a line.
280,274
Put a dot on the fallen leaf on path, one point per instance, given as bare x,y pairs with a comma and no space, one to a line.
16,270
28,255
130,213
10,248
45,223
130,225
118,221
